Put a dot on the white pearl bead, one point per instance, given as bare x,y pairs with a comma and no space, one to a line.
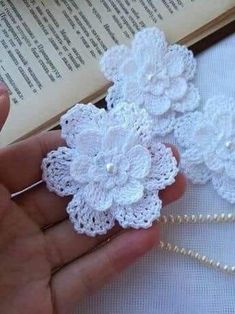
228,144
150,76
110,167
216,218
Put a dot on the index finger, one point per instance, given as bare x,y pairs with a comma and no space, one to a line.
89,273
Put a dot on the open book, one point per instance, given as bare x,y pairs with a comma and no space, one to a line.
50,49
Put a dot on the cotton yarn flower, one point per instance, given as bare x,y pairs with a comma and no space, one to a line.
153,74
111,167
208,138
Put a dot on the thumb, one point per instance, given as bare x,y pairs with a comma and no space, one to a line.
4,104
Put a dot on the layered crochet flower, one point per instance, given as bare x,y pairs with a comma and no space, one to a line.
153,74
208,138
111,166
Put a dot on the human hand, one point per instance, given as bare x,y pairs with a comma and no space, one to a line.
45,266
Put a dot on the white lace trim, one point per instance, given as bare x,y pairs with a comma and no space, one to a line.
111,166
153,74
208,141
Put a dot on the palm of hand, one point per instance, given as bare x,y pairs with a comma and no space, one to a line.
45,267
25,270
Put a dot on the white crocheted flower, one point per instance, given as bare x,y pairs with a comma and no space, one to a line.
111,166
209,141
153,74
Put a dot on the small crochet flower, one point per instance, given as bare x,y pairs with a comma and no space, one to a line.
153,74
209,141
111,167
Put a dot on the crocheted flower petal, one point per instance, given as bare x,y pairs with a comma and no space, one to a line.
226,153
213,104
149,39
223,119
140,162
112,60
218,104
79,169
225,123
114,95
213,162
135,118
56,172
230,169
193,155
89,142
132,92
119,139
141,214
197,173
164,124
188,60
220,110
189,102
155,88
130,193
80,118
157,105
202,137
97,197
177,89
86,220
225,187
163,169
174,63
128,69
97,173
184,128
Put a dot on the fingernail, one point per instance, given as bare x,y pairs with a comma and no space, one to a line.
3,88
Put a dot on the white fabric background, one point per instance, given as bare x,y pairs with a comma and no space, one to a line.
163,282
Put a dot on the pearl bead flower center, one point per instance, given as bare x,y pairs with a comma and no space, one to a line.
150,76
110,168
230,144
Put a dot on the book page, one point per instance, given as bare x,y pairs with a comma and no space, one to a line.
50,50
